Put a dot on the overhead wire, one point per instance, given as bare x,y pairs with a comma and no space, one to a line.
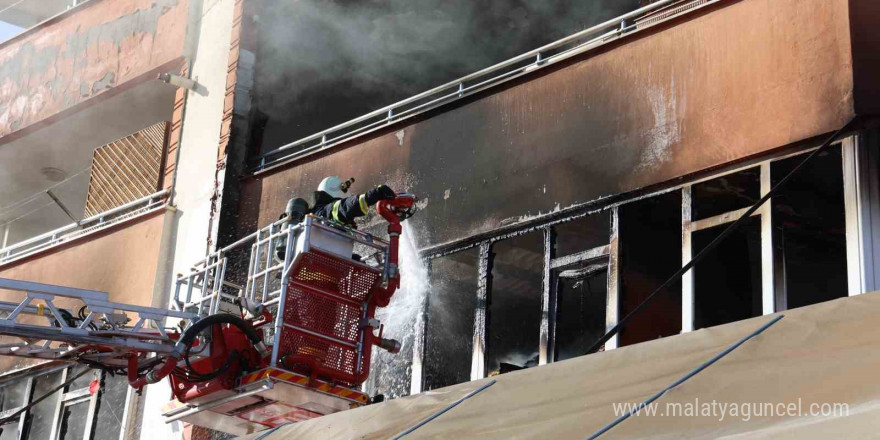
41,398
23,201
718,239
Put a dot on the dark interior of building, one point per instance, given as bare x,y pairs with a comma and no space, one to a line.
727,282
450,319
514,310
726,193
650,251
581,295
582,234
810,230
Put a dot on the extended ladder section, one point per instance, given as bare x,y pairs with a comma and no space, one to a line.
63,323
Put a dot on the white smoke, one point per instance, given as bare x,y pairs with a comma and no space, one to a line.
391,373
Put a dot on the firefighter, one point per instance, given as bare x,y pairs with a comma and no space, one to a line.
332,203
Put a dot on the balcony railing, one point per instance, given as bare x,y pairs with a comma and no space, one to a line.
23,15
489,77
86,226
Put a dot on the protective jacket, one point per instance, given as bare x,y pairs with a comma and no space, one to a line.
345,210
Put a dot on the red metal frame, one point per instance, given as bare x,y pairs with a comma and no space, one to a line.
331,302
225,340
328,323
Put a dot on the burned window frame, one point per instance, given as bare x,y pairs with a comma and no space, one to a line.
861,179
598,255
420,379
66,397
689,226
546,337
858,160
494,295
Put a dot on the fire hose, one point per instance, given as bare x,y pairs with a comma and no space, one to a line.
183,345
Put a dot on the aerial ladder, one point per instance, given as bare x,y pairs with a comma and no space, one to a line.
275,328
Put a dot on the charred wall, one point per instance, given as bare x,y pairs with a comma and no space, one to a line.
660,104
866,58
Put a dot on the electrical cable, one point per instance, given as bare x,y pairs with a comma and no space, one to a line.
444,410
29,212
81,313
43,397
715,242
684,378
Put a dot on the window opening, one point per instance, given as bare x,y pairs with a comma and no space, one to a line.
41,416
583,234
450,321
649,252
809,222
581,297
726,193
727,282
514,311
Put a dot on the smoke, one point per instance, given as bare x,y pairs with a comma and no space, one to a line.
322,62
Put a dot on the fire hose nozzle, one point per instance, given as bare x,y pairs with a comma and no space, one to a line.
389,345
402,207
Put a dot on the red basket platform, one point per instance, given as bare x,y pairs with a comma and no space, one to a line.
325,302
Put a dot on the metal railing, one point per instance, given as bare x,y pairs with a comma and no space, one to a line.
489,77
670,11
269,252
101,322
7,10
207,288
83,227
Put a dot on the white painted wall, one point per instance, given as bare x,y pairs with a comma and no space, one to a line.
196,169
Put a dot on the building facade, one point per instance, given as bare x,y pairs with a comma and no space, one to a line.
557,190
110,176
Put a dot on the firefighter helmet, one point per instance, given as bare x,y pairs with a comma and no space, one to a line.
333,185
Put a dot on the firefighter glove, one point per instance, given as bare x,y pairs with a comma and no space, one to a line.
381,192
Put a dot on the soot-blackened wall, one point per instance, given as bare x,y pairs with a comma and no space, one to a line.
663,103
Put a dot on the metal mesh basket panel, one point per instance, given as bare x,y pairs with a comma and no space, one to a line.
325,296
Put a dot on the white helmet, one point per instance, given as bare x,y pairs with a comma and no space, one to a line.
332,185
